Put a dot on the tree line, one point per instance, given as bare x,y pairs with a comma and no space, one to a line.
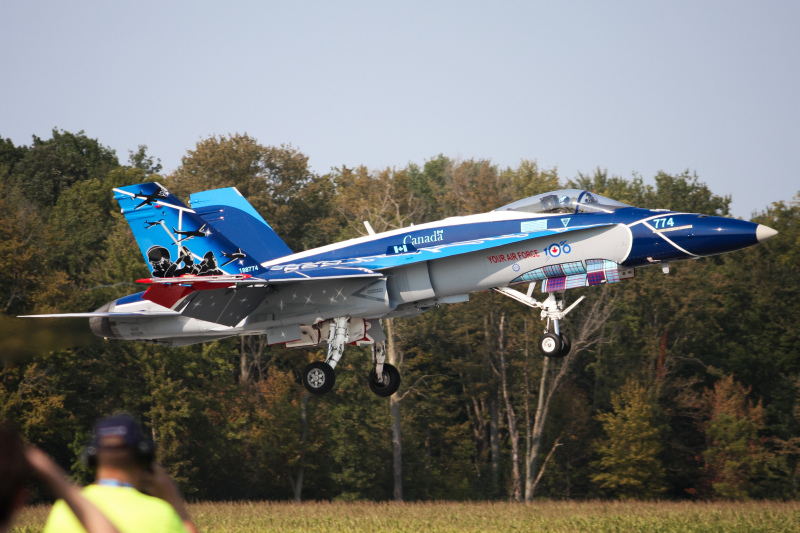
678,386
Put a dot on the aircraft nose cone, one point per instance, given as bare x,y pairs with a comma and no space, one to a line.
719,235
764,232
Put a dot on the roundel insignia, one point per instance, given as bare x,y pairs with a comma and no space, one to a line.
555,250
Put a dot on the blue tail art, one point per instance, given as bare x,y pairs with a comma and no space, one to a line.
175,240
229,212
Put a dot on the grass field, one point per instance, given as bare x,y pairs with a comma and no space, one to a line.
448,516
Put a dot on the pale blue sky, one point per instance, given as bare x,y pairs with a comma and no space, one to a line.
627,86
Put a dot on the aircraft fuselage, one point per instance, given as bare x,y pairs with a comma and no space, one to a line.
631,237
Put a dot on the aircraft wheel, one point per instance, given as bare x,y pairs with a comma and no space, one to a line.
318,377
391,381
550,344
566,346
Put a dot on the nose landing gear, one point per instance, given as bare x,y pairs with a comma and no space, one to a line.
552,343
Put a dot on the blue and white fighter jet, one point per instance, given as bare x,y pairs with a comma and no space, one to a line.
237,277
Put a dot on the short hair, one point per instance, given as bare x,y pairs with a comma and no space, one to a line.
14,469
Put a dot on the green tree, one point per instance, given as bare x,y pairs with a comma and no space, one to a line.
54,165
10,157
737,460
144,162
527,179
680,192
22,249
629,465
276,181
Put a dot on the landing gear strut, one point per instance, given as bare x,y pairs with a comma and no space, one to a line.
553,343
384,379
319,377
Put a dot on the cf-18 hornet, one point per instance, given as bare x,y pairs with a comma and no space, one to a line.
237,277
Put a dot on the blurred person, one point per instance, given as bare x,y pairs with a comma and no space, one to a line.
125,472
17,463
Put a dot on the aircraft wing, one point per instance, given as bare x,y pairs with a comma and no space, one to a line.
431,253
139,314
309,273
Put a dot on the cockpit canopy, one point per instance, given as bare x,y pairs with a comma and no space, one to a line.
565,201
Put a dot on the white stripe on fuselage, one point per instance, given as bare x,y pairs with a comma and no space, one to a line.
491,216
660,215
661,234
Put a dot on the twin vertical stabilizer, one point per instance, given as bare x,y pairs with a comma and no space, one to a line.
175,240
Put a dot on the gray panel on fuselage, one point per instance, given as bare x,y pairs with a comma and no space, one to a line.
410,283
223,306
497,267
304,302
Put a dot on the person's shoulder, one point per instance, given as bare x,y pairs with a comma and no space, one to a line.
61,520
159,513
130,495
134,508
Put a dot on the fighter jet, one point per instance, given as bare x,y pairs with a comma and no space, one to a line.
238,254
150,197
199,232
338,293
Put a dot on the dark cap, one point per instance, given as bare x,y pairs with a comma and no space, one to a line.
119,426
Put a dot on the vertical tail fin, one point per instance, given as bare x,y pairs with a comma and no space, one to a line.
174,240
229,212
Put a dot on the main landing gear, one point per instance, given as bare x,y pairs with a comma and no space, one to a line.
319,377
553,343
384,379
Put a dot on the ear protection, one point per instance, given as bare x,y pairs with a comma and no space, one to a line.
89,455
124,426
145,452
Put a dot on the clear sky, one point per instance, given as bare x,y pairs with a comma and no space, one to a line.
631,87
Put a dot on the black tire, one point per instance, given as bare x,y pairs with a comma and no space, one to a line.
391,378
566,346
318,377
550,344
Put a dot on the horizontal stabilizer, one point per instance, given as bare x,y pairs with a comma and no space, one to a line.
190,279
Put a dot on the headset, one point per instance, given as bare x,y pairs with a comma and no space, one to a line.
144,451
145,454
